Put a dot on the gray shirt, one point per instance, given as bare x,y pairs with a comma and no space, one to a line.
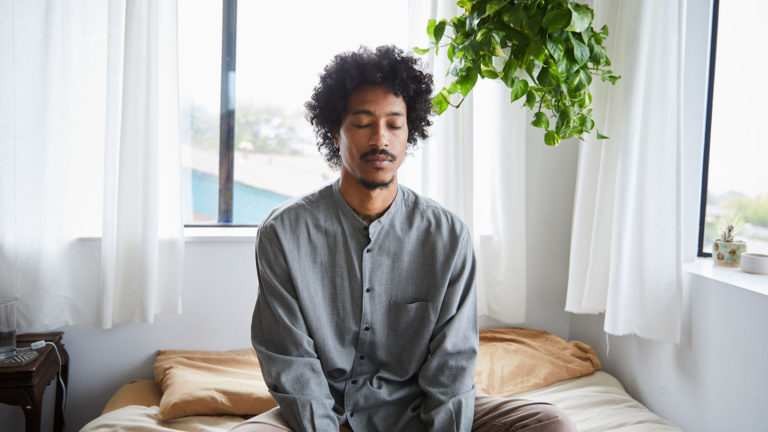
372,325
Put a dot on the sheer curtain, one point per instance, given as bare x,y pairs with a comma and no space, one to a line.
89,151
474,164
626,244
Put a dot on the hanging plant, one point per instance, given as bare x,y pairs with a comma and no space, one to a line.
545,51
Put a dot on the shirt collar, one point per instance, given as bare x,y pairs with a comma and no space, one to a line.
350,214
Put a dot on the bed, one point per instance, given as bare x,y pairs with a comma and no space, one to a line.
212,391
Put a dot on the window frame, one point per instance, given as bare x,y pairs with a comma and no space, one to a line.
708,129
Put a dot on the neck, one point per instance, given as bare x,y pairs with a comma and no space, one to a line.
369,204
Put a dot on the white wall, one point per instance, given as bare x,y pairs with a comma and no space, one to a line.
714,380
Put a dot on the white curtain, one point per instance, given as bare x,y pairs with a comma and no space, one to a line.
90,213
474,164
626,244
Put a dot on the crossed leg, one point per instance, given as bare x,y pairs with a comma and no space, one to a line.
492,414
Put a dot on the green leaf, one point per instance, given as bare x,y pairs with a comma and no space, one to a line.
466,4
420,51
466,82
556,20
581,17
601,136
530,99
509,71
556,47
514,17
431,28
597,55
439,31
472,19
518,89
564,119
604,31
540,120
580,50
494,6
489,73
439,103
551,138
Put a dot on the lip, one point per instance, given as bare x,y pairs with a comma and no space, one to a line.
378,162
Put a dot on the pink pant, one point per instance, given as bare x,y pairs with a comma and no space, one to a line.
492,414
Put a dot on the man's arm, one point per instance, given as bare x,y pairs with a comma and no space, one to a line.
447,377
285,350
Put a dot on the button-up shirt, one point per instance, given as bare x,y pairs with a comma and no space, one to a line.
371,325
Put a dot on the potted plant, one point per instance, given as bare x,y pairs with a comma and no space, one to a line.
545,51
727,251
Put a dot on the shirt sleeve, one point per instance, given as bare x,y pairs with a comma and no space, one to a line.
447,376
289,364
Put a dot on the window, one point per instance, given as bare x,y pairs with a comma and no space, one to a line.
278,55
735,181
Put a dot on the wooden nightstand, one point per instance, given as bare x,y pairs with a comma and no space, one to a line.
24,385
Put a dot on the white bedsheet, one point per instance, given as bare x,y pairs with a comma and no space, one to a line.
596,403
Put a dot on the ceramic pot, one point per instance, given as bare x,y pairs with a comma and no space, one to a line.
728,253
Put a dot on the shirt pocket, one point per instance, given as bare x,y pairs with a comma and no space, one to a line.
409,328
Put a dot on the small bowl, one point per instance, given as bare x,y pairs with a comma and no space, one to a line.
754,263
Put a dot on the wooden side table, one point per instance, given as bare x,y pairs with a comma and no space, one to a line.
24,385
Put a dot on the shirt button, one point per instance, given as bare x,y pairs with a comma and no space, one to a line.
362,357
369,250
367,290
366,328
351,414
354,381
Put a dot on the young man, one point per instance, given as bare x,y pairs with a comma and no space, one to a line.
366,316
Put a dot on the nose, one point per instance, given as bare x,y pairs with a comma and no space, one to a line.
379,137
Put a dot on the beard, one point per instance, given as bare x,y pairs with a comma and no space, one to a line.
373,185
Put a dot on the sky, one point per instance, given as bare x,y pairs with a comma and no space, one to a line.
280,52
738,150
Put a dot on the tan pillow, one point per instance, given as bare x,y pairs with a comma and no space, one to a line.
515,360
142,392
210,383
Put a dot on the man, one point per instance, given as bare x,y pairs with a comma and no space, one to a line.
366,316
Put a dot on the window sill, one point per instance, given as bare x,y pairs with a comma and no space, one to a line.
734,276
215,234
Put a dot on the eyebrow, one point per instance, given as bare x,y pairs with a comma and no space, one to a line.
370,113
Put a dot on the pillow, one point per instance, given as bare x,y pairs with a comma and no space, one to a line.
515,360
142,392
210,383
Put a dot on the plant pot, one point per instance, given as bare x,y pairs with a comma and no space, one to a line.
728,253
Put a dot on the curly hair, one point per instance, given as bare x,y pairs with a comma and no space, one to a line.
388,65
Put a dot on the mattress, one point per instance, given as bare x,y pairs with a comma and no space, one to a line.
215,390
596,402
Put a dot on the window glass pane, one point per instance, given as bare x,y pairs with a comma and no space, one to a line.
279,57
199,89
738,154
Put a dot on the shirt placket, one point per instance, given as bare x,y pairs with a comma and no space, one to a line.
361,367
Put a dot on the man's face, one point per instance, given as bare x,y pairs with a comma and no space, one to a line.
372,137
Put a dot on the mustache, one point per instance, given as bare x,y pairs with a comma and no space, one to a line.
376,152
